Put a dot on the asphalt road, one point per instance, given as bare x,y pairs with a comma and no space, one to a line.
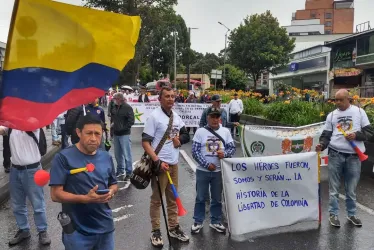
131,214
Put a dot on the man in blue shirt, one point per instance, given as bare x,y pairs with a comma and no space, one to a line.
78,193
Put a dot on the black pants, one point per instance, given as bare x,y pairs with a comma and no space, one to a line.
64,137
234,118
6,152
193,129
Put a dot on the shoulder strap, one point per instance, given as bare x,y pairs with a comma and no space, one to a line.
30,133
217,135
167,132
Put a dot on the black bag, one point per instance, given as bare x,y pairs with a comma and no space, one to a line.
42,142
142,174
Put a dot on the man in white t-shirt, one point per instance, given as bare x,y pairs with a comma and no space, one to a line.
343,159
25,162
166,160
235,110
210,144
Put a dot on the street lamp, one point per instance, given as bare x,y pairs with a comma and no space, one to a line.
188,65
224,56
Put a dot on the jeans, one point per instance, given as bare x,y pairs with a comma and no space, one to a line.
350,168
122,153
166,190
22,185
79,241
203,181
55,136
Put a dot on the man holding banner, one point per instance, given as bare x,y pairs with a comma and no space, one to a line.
210,144
343,159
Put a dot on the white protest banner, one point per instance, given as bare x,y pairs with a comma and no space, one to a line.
189,112
265,193
272,140
135,98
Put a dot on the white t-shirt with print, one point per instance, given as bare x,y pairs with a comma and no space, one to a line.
156,126
351,120
210,144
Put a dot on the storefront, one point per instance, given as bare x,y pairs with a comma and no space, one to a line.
308,70
352,63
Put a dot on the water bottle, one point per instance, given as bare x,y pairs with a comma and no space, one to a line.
66,223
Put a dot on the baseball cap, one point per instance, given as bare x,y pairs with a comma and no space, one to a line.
214,111
216,98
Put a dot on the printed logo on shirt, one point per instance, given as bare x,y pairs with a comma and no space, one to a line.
346,122
213,144
98,111
174,132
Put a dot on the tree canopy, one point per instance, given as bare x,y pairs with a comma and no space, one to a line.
259,44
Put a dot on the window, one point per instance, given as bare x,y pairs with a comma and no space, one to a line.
328,24
365,45
313,15
328,15
327,32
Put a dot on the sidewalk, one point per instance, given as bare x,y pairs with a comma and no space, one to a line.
46,159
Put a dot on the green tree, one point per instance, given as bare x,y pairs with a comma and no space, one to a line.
235,78
259,44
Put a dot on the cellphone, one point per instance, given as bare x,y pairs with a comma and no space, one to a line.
102,191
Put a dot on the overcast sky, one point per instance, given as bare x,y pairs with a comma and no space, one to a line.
205,14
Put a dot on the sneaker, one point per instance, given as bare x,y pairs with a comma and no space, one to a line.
177,233
218,227
334,220
121,177
156,238
196,228
355,220
44,238
127,178
20,236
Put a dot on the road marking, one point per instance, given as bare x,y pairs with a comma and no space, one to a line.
126,186
120,208
122,217
362,207
188,160
237,141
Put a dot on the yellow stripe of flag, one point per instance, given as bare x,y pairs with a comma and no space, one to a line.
65,37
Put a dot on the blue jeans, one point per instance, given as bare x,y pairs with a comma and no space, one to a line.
54,124
350,168
122,152
78,241
22,185
203,181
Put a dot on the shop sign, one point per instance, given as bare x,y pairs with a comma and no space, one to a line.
344,54
347,72
294,67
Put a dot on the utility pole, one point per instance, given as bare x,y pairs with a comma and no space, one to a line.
189,58
175,59
224,56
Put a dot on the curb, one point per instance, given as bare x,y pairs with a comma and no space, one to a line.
46,159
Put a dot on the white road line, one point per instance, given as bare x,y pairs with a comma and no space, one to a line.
126,216
120,208
127,185
366,209
188,160
237,141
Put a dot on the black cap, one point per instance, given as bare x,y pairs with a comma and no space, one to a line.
216,98
214,111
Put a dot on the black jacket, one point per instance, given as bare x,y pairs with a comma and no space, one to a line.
146,99
122,118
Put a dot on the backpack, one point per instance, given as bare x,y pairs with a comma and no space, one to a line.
42,142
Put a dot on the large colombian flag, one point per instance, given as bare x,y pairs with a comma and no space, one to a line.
60,56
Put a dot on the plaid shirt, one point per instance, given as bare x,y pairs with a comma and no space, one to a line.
198,156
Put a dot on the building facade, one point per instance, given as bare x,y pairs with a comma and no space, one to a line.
324,17
352,63
308,69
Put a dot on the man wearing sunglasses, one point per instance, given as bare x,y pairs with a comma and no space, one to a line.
216,104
